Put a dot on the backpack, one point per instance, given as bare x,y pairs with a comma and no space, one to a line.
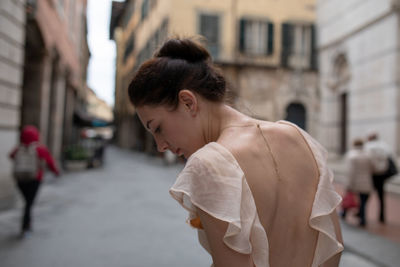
391,170
26,163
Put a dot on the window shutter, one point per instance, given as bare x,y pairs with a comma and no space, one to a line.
209,28
314,52
242,35
287,38
270,38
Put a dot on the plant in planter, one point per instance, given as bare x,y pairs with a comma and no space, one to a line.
76,158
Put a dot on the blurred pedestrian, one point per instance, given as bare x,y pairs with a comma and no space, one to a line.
381,156
359,173
260,193
28,158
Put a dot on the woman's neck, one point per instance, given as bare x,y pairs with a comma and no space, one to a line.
218,117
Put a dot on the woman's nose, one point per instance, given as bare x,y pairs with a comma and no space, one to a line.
162,145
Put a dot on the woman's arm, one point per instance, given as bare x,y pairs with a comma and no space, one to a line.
11,155
44,154
222,255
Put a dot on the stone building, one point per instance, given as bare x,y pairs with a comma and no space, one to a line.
358,47
44,55
266,50
12,39
98,108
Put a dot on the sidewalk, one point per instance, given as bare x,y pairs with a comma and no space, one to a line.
369,249
378,244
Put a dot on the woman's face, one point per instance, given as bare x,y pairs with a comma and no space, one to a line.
174,130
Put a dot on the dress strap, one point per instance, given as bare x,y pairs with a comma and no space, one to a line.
270,151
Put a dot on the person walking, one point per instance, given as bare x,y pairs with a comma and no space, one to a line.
380,154
359,173
259,193
28,158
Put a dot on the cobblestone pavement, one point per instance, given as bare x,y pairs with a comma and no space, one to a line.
122,215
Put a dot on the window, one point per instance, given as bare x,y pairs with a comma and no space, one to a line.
130,9
155,40
298,46
209,28
61,4
153,4
60,8
129,46
72,11
145,9
256,37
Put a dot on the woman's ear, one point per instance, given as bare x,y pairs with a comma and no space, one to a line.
189,101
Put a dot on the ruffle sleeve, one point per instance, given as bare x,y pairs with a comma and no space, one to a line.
325,202
213,181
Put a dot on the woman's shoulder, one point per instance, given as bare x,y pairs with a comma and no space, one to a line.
240,139
212,156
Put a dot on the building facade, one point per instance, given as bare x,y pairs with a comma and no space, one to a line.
265,49
358,47
43,74
98,108
12,39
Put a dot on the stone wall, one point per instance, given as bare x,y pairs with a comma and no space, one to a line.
366,39
266,93
12,34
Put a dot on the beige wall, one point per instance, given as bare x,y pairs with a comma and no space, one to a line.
184,20
59,33
98,107
265,89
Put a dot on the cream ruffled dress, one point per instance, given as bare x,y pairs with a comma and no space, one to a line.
213,181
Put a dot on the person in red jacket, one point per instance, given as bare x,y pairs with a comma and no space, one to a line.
29,187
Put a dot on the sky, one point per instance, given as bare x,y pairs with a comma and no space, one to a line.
101,69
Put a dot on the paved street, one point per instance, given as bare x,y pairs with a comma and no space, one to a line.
122,215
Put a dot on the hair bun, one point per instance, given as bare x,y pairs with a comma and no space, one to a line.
186,49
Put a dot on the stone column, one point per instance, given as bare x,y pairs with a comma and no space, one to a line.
68,137
58,114
45,96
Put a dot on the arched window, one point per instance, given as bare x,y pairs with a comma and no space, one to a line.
296,113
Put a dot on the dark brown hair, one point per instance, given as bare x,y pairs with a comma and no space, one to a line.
358,142
179,64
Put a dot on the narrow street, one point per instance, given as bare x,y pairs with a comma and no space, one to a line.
122,215
118,215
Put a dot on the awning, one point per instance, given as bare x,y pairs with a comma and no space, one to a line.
82,119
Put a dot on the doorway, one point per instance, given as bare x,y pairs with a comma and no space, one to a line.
296,113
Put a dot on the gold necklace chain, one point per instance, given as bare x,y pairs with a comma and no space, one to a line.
270,151
266,143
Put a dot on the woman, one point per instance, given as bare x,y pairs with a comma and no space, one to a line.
259,192
359,171
29,183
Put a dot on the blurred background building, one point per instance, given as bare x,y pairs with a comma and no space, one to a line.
44,57
266,50
98,108
359,72
12,40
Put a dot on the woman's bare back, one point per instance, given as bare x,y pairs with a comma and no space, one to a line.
283,176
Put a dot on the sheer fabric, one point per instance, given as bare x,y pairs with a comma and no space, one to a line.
213,181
